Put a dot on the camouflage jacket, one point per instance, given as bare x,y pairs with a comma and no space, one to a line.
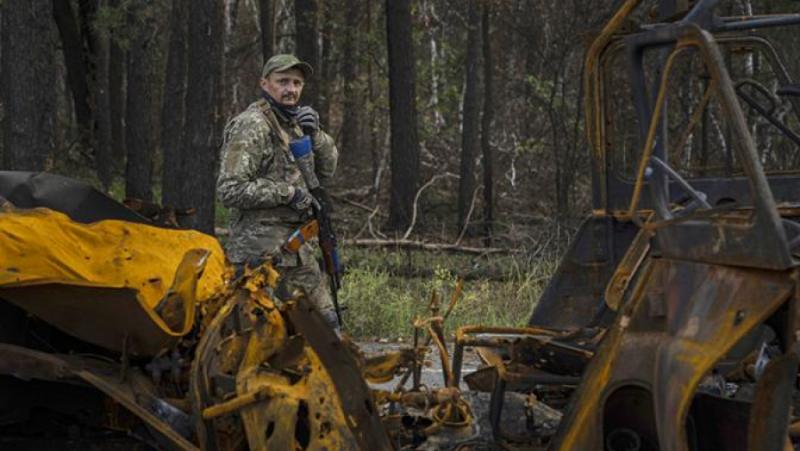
256,172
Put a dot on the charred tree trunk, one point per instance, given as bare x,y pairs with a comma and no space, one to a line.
139,136
172,105
28,77
103,154
77,64
116,99
486,126
95,50
471,121
351,127
327,75
403,115
87,12
266,16
117,68
202,130
306,44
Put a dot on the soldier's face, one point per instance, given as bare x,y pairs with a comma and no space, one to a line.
285,87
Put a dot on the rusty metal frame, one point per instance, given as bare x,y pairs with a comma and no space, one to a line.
641,351
682,268
766,227
570,300
597,59
504,338
499,337
688,289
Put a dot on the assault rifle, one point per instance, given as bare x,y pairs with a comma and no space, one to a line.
301,151
321,227
329,246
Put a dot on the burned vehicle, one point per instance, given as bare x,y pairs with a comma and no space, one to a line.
112,324
674,314
671,323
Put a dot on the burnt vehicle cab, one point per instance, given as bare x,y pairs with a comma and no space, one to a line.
676,154
673,313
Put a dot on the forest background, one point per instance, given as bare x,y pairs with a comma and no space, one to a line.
459,125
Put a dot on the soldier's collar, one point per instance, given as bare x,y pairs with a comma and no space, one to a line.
282,112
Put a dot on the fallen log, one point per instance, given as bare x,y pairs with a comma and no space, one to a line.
421,245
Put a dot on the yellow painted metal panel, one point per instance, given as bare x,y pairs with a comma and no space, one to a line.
102,281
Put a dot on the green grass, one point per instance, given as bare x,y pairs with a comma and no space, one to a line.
221,214
383,305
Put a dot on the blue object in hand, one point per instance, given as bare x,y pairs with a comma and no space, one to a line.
300,147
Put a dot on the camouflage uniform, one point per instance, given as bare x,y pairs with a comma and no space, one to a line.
256,175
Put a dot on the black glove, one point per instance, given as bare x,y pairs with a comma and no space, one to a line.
308,120
323,199
301,200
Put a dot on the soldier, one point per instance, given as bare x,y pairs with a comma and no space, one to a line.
260,181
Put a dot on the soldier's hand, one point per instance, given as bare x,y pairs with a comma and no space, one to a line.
302,200
308,120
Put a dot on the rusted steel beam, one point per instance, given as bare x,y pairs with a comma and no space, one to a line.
504,337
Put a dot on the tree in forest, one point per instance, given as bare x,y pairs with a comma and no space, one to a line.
172,107
470,129
117,66
330,60
402,112
266,20
76,60
306,44
85,47
202,131
486,126
96,50
140,138
351,108
28,78
103,155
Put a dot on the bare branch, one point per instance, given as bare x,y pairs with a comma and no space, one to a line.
416,200
469,215
357,204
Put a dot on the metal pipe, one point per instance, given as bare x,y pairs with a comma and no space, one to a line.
766,113
463,331
700,14
458,358
696,195
239,402
757,22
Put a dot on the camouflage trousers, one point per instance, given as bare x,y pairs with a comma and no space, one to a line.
308,278
299,272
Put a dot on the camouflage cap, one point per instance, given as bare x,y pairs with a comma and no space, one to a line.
284,62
